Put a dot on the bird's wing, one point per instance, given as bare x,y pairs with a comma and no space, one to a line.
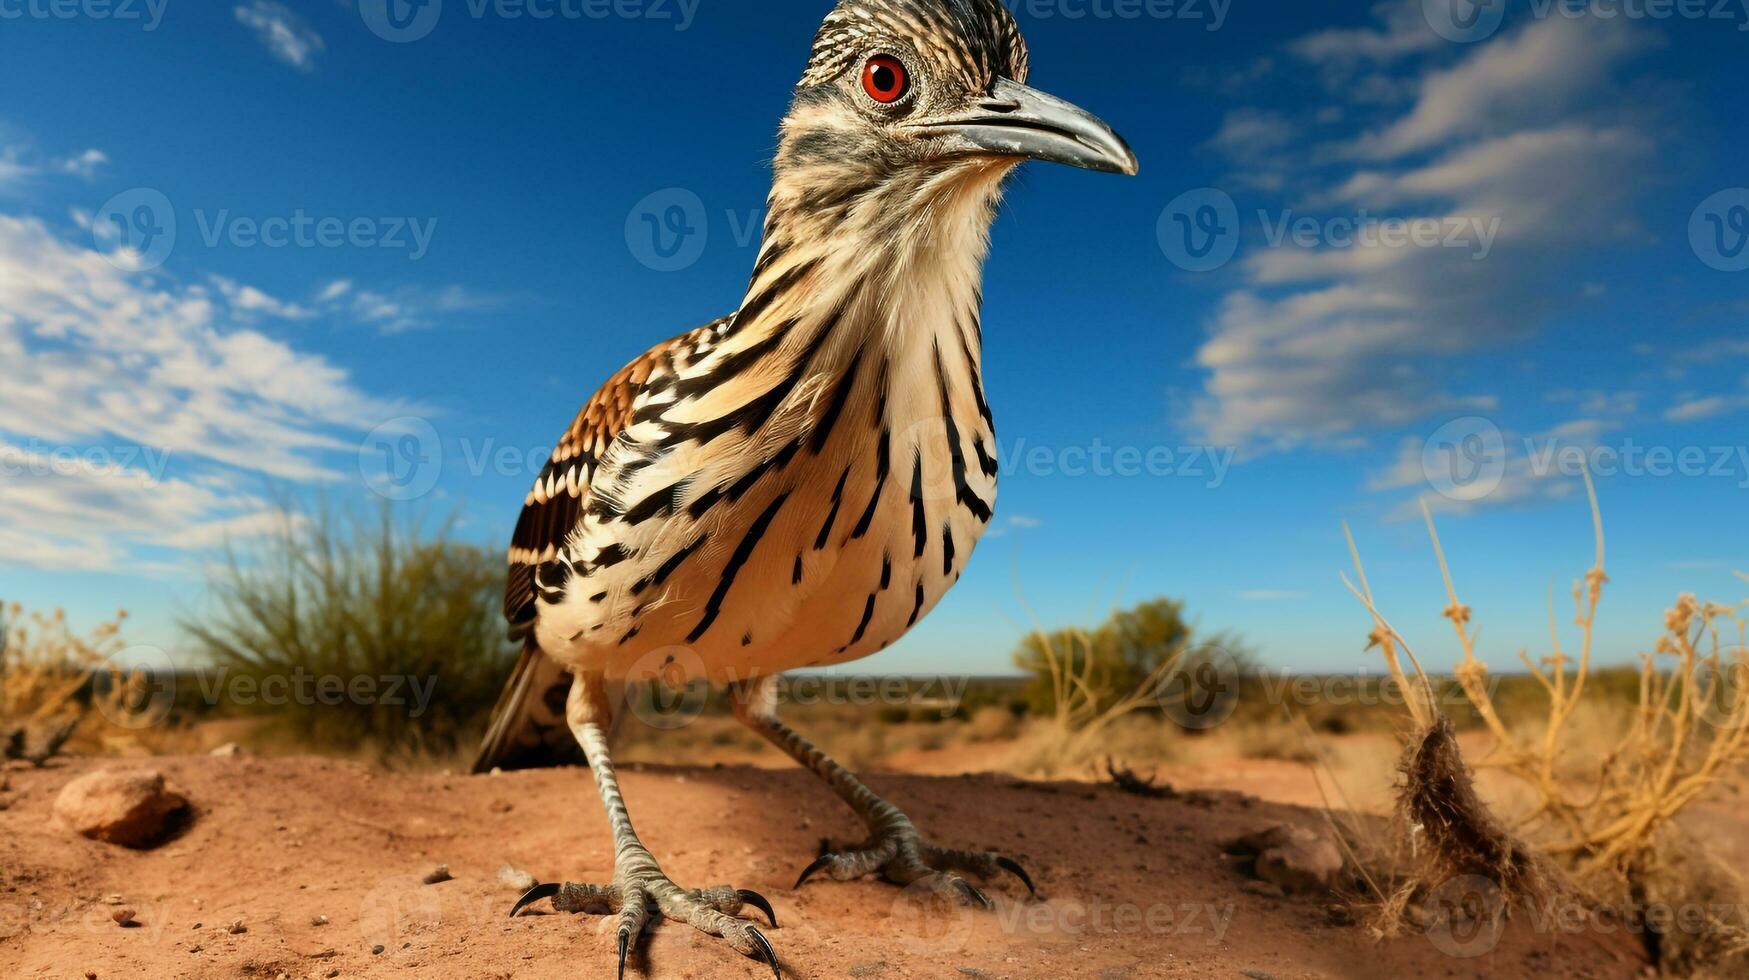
528,728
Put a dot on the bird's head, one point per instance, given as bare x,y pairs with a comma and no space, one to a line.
916,93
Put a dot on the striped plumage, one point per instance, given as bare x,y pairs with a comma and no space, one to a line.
799,483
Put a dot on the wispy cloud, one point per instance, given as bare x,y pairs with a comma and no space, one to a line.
19,168
141,409
1528,135
287,35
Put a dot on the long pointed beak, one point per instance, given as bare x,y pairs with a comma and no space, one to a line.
1017,121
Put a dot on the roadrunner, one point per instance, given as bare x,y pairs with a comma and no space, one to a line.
796,484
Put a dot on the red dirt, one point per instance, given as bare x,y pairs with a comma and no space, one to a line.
1133,887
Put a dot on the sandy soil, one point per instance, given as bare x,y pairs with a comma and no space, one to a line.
1131,887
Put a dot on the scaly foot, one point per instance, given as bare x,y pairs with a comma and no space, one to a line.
634,897
904,858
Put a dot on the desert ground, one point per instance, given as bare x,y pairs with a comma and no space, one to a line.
304,867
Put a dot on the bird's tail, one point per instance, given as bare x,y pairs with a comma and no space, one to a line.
528,729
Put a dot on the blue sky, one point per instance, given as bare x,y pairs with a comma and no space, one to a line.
1459,253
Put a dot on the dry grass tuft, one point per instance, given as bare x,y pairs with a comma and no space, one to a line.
55,683
1602,820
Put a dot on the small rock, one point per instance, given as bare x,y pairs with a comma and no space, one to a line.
115,900
438,875
238,928
319,920
229,750
516,879
376,950
124,918
198,925
1291,856
131,808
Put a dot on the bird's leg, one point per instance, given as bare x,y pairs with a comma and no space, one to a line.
894,848
639,886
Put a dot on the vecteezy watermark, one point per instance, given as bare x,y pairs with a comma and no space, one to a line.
1200,231
930,923
1464,21
1212,14
1469,21
1468,459
300,687
135,230
1466,917
1719,230
1465,459
138,687
1201,690
144,465
668,230
404,21
402,459
147,13
303,230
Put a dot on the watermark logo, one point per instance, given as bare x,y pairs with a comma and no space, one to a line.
668,230
930,924
401,459
135,230
1466,916
148,13
1199,229
397,910
142,687
1719,230
1465,459
1211,13
1464,21
672,699
401,21
1202,689
1723,687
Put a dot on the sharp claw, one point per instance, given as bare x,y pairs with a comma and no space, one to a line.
766,950
758,901
533,895
625,941
819,862
1013,867
972,894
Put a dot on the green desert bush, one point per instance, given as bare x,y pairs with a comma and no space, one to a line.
1127,653
369,633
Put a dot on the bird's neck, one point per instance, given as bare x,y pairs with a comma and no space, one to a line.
894,263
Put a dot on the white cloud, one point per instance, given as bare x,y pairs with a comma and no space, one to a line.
404,308
1529,77
1326,343
288,36
1712,406
85,164
1534,467
1405,32
138,410
19,168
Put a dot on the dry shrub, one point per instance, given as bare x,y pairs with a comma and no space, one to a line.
1601,830
56,683
1076,731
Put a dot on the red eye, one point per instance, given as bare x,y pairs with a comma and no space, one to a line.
884,79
